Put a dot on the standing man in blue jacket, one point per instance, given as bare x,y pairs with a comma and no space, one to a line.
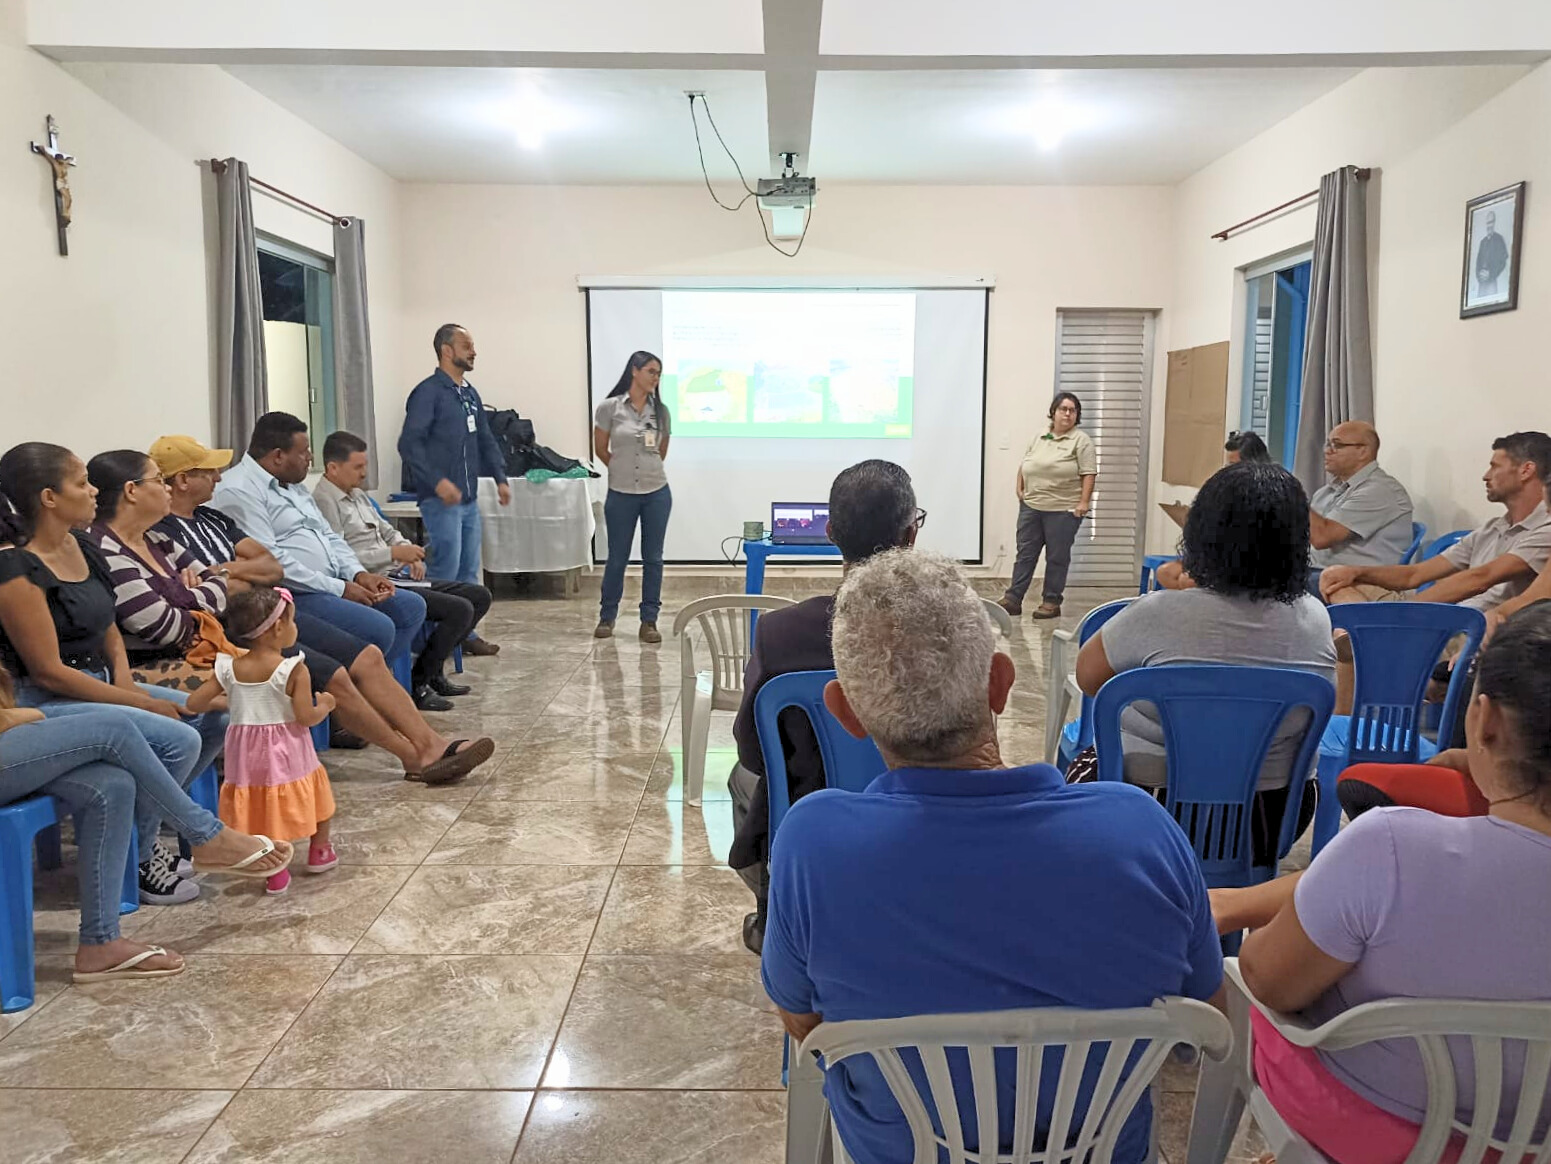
446,447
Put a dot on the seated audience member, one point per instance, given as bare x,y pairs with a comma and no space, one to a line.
455,607
1538,591
265,495
1407,903
1362,516
160,590
1240,446
872,507
881,902
59,640
367,698
1246,545
1496,562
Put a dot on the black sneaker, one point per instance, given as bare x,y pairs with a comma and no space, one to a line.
159,885
428,700
172,859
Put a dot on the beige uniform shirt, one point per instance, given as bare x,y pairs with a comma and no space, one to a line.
1053,469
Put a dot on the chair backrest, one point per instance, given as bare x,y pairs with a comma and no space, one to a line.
723,622
1418,536
1091,624
1438,545
1395,646
1493,1040
1000,619
849,763
1099,1042
1218,724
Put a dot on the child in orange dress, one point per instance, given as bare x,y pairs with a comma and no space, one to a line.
274,782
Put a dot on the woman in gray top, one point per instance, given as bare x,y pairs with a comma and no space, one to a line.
1246,545
630,436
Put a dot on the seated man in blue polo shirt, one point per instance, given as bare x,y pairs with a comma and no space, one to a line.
955,884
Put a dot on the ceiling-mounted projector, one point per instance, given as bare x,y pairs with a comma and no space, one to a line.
788,199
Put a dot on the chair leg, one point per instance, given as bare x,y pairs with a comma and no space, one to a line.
129,896
697,732
50,845
805,1109
205,791
1220,1093
1327,815
17,966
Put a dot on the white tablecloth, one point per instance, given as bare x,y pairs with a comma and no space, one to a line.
548,527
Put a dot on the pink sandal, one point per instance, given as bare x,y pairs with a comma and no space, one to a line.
321,860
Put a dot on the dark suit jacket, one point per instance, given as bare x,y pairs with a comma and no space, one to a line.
795,638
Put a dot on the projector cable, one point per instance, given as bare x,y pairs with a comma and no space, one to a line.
749,191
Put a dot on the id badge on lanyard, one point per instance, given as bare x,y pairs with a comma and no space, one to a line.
649,438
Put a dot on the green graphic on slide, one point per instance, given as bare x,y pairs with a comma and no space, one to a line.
781,401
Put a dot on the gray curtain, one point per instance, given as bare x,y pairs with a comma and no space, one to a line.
353,338
242,381
1337,350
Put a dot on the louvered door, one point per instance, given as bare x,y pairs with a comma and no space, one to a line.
1105,358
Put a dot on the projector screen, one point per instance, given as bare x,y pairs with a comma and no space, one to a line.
773,392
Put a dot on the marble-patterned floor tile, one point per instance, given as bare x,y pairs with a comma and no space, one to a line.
675,833
667,779
365,1127
103,1127
535,832
601,735
718,736
380,777
400,1021
492,909
323,914
51,975
1021,742
391,830
1174,1111
611,699
673,909
209,1026
693,1022
528,775
655,1127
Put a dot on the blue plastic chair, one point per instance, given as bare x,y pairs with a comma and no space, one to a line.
35,821
1395,646
320,737
1218,723
1150,564
849,763
1438,547
1418,536
1078,734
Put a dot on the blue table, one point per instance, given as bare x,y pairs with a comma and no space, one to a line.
755,554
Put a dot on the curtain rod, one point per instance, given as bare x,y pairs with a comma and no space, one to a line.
217,166
1222,235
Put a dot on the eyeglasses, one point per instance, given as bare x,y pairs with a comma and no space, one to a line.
920,518
159,479
1332,446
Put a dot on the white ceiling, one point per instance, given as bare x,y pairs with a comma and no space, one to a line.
1121,126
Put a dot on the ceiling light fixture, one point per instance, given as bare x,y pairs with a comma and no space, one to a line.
534,119
1050,120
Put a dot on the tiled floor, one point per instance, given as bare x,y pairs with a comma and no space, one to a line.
540,964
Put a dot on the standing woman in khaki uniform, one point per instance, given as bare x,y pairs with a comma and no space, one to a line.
1055,493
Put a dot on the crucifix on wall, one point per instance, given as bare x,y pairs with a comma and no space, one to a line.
59,165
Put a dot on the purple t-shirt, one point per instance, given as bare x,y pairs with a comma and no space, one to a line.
1427,906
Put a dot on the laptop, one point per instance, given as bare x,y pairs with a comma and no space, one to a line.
799,523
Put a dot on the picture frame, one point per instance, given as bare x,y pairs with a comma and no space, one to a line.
1489,275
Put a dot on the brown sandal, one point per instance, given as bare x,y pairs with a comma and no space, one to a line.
1047,610
455,765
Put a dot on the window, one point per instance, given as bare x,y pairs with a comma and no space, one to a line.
297,287
1275,320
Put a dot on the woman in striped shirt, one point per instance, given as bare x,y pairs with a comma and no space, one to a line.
160,590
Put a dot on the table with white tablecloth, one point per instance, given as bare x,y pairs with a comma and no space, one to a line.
547,528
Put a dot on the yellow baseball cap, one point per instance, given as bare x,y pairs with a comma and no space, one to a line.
179,454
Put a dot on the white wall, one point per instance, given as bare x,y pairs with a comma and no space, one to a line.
112,346
504,261
1435,137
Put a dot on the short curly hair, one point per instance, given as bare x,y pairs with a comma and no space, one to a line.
1248,534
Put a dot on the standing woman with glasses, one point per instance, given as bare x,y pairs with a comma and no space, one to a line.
631,432
1055,493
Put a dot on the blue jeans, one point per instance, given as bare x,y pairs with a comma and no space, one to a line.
452,533
391,626
621,511
184,747
98,763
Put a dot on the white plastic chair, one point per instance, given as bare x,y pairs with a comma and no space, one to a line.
1000,619
1061,690
1080,1032
1225,1086
723,622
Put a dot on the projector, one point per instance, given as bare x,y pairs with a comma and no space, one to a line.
791,192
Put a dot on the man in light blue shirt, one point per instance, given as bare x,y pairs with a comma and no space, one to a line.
264,495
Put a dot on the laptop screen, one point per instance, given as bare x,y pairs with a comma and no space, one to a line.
799,522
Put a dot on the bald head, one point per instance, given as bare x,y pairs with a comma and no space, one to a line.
1352,445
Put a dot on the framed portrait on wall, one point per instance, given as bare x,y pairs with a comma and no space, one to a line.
1494,232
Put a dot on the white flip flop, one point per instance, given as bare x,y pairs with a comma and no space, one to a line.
241,869
128,969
